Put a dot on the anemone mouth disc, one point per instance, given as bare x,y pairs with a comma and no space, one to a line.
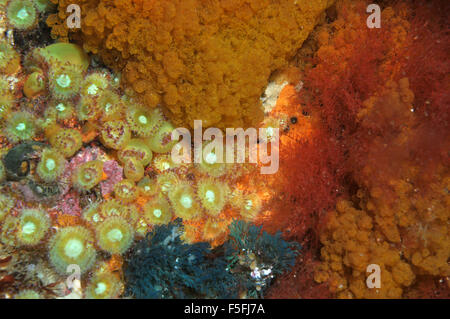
21,14
186,201
73,248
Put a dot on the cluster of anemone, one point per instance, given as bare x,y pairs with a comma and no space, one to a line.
87,175
139,138
51,165
72,245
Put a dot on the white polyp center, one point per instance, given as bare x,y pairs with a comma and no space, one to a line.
21,127
157,213
142,119
60,107
96,218
210,196
107,107
114,235
63,80
100,289
29,228
249,205
73,248
87,176
186,201
92,89
165,166
22,14
211,158
146,188
50,164
269,132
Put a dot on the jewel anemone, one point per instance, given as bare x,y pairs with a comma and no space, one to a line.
20,126
67,141
157,212
33,225
21,14
133,169
184,202
87,175
72,245
51,165
213,195
65,81
114,235
136,148
126,191
115,134
143,121
161,141
104,285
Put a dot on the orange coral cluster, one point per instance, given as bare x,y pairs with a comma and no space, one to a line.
207,60
383,139
403,222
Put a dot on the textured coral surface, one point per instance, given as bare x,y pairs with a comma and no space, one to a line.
207,60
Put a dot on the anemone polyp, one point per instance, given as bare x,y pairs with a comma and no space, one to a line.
184,202
157,212
20,126
95,83
60,110
67,141
21,14
110,105
7,102
147,186
9,230
213,195
104,285
214,229
115,134
87,175
210,164
161,141
163,163
133,169
136,148
87,109
9,58
113,207
51,165
115,235
33,225
250,205
6,203
65,81
125,191
72,245
34,85
144,122
91,213
167,181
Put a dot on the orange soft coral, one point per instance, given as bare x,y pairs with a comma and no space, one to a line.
207,60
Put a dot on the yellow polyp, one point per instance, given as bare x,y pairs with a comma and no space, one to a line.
72,245
157,212
114,235
34,85
33,225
